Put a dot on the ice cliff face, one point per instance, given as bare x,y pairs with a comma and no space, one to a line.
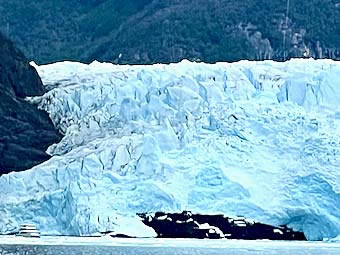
257,139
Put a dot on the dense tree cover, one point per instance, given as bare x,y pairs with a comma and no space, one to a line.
148,31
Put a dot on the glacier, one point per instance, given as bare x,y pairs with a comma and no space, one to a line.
253,139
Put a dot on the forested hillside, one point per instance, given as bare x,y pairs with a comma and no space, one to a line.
147,31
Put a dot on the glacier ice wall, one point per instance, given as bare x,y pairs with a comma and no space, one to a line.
257,139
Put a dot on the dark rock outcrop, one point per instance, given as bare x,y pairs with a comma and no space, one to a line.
188,225
25,131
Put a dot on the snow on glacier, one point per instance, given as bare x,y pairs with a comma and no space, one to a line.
257,139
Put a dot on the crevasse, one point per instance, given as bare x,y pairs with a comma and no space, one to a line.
257,139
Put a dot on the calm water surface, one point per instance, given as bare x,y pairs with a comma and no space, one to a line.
109,246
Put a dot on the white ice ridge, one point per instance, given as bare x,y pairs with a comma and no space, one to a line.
256,139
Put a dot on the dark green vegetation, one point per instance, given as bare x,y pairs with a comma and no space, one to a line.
148,31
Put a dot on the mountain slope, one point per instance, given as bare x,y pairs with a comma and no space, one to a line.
164,31
25,131
253,139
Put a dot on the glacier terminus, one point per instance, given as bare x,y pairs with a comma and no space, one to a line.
254,139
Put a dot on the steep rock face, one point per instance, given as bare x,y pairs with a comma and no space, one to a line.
25,131
17,76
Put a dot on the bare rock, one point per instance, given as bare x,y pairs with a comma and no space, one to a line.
25,131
